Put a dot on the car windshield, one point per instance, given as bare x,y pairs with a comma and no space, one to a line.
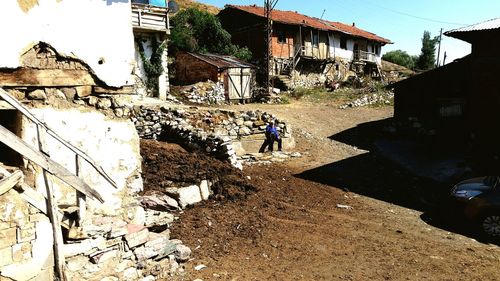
493,181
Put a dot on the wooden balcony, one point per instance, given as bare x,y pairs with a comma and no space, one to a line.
365,56
148,18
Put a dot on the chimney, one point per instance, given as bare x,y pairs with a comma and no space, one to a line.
354,24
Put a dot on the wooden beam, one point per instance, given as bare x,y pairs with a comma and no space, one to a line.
17,144
53,212
126,90
21,108
45,77
9,181
33,197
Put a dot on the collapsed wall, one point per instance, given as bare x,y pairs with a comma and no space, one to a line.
123,238
223,134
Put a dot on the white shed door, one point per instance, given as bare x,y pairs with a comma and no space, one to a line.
239,83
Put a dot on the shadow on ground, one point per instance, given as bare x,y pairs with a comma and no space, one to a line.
372,175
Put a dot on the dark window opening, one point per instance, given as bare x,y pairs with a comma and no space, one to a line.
315,40
11,120
343,43
451,108
281,37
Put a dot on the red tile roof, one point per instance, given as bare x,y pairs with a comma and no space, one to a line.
294,18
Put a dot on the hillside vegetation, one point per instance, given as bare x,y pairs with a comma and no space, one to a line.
186,4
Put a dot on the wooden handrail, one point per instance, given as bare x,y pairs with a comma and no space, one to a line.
25,111
49,165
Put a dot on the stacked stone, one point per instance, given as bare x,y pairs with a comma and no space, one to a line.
176,124
209,131
371,99
206,93
25,240
118,104
127,247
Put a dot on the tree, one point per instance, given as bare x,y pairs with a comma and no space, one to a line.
427,58
401,58
199,31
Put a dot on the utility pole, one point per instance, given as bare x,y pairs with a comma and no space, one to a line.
268,8
322,14
439,48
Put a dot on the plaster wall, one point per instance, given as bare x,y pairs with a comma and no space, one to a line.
112,143
99,32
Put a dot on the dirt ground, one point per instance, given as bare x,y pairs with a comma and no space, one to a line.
340,212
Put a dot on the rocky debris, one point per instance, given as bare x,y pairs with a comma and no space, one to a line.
345,207
209,131
205,93
370,99
268,158
127,251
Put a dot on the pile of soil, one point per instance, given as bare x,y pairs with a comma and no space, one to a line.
169,165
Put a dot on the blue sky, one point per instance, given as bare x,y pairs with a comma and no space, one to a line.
398,20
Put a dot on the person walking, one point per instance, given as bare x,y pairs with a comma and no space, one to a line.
272,135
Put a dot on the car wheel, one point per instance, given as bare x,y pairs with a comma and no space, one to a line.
490,225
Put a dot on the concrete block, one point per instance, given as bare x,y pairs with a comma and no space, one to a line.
5,256
104,256
204,190
186,195
21,252
8,237
137,238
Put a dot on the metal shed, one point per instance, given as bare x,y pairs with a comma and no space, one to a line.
236,75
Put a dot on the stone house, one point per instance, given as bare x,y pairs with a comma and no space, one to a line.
302,45
459,100
70,174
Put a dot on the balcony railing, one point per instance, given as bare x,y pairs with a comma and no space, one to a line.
150,18
365,56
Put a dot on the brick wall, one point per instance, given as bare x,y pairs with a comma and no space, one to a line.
190,70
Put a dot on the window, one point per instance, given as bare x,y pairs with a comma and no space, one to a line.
451,108
343,43
281,37
376,49
315,40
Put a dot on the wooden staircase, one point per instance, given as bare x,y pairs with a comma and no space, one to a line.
13,178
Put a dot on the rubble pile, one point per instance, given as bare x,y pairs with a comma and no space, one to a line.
268,158
137,247
309,81
205,93
370,99
210,131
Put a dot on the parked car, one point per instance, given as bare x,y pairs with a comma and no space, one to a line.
479,200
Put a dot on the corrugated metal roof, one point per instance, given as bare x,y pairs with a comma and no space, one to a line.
222,62
486,25
294,18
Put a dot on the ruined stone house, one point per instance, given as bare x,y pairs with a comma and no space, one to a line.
304,48
70,166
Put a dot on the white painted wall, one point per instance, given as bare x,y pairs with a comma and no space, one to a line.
84,29
113,144
336,51
140,72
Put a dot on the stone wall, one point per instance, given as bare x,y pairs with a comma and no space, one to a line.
25,241
223,134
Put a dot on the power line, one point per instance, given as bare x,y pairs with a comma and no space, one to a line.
414,16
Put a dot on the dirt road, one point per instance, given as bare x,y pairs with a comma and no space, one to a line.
337,213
